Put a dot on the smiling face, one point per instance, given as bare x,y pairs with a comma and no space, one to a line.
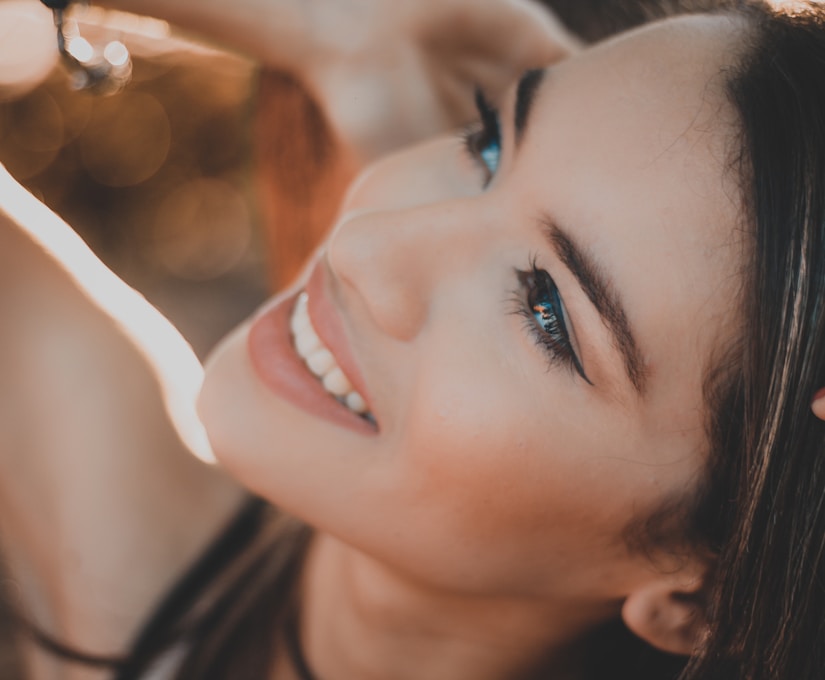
530,330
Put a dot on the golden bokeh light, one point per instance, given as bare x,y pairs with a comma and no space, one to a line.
202,229
35,134
127,139
154,178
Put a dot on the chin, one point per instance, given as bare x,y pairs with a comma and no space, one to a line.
300,462
222,402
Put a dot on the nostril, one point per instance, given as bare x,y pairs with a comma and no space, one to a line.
373,258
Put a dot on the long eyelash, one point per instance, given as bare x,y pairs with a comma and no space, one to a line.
557,350
469,140
487,112
478,135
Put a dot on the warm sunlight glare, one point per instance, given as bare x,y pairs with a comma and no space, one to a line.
178,372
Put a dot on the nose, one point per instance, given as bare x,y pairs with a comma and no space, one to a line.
398,262
424,234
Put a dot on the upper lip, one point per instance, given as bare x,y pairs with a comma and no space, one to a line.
330,327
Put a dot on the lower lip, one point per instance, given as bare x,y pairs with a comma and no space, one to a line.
281,369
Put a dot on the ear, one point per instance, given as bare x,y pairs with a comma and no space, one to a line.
818,404
668,613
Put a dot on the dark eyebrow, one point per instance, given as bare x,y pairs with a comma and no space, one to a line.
602,294
525,94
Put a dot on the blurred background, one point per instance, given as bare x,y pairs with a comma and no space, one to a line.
156,178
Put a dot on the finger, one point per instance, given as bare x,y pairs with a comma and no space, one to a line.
273,31
516,30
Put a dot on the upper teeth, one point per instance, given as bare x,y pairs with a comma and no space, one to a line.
319,359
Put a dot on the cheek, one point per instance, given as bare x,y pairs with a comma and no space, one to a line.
434,171
494,463
530,490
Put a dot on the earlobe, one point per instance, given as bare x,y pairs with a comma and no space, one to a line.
666,617
818,404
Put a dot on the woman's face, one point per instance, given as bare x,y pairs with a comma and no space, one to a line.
530,329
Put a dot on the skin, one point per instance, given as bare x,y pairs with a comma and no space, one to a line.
484,521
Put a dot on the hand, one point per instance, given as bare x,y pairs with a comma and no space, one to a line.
391,73
386,72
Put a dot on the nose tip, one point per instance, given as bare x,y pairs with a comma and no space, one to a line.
379,258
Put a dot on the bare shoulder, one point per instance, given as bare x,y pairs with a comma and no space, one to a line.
101,497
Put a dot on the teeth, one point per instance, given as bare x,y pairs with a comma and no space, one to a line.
336,382
356,402
321,362
300,316
307,342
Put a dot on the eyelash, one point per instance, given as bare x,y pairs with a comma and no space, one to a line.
539,303
482,140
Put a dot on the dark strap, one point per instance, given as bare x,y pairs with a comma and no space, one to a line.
69,653
163,629
294,648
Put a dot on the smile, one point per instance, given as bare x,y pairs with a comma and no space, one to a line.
320,377
321,362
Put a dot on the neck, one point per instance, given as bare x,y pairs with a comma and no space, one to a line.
362,619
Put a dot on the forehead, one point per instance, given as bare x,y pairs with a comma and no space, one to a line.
629,149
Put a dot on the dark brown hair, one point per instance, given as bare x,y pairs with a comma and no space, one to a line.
767,470
595,20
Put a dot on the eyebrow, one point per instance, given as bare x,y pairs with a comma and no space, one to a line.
525,95
604,297
598,288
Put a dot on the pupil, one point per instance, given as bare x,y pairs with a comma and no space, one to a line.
490,155
544,314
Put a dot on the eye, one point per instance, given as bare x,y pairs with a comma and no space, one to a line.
483,140
545,318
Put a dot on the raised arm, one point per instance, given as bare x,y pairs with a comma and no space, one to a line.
101,499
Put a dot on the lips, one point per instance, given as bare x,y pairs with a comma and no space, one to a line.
320,361
320,376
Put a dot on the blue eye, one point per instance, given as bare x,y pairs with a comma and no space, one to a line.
541,306
483,141
490,155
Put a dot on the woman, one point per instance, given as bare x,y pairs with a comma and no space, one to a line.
553,381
